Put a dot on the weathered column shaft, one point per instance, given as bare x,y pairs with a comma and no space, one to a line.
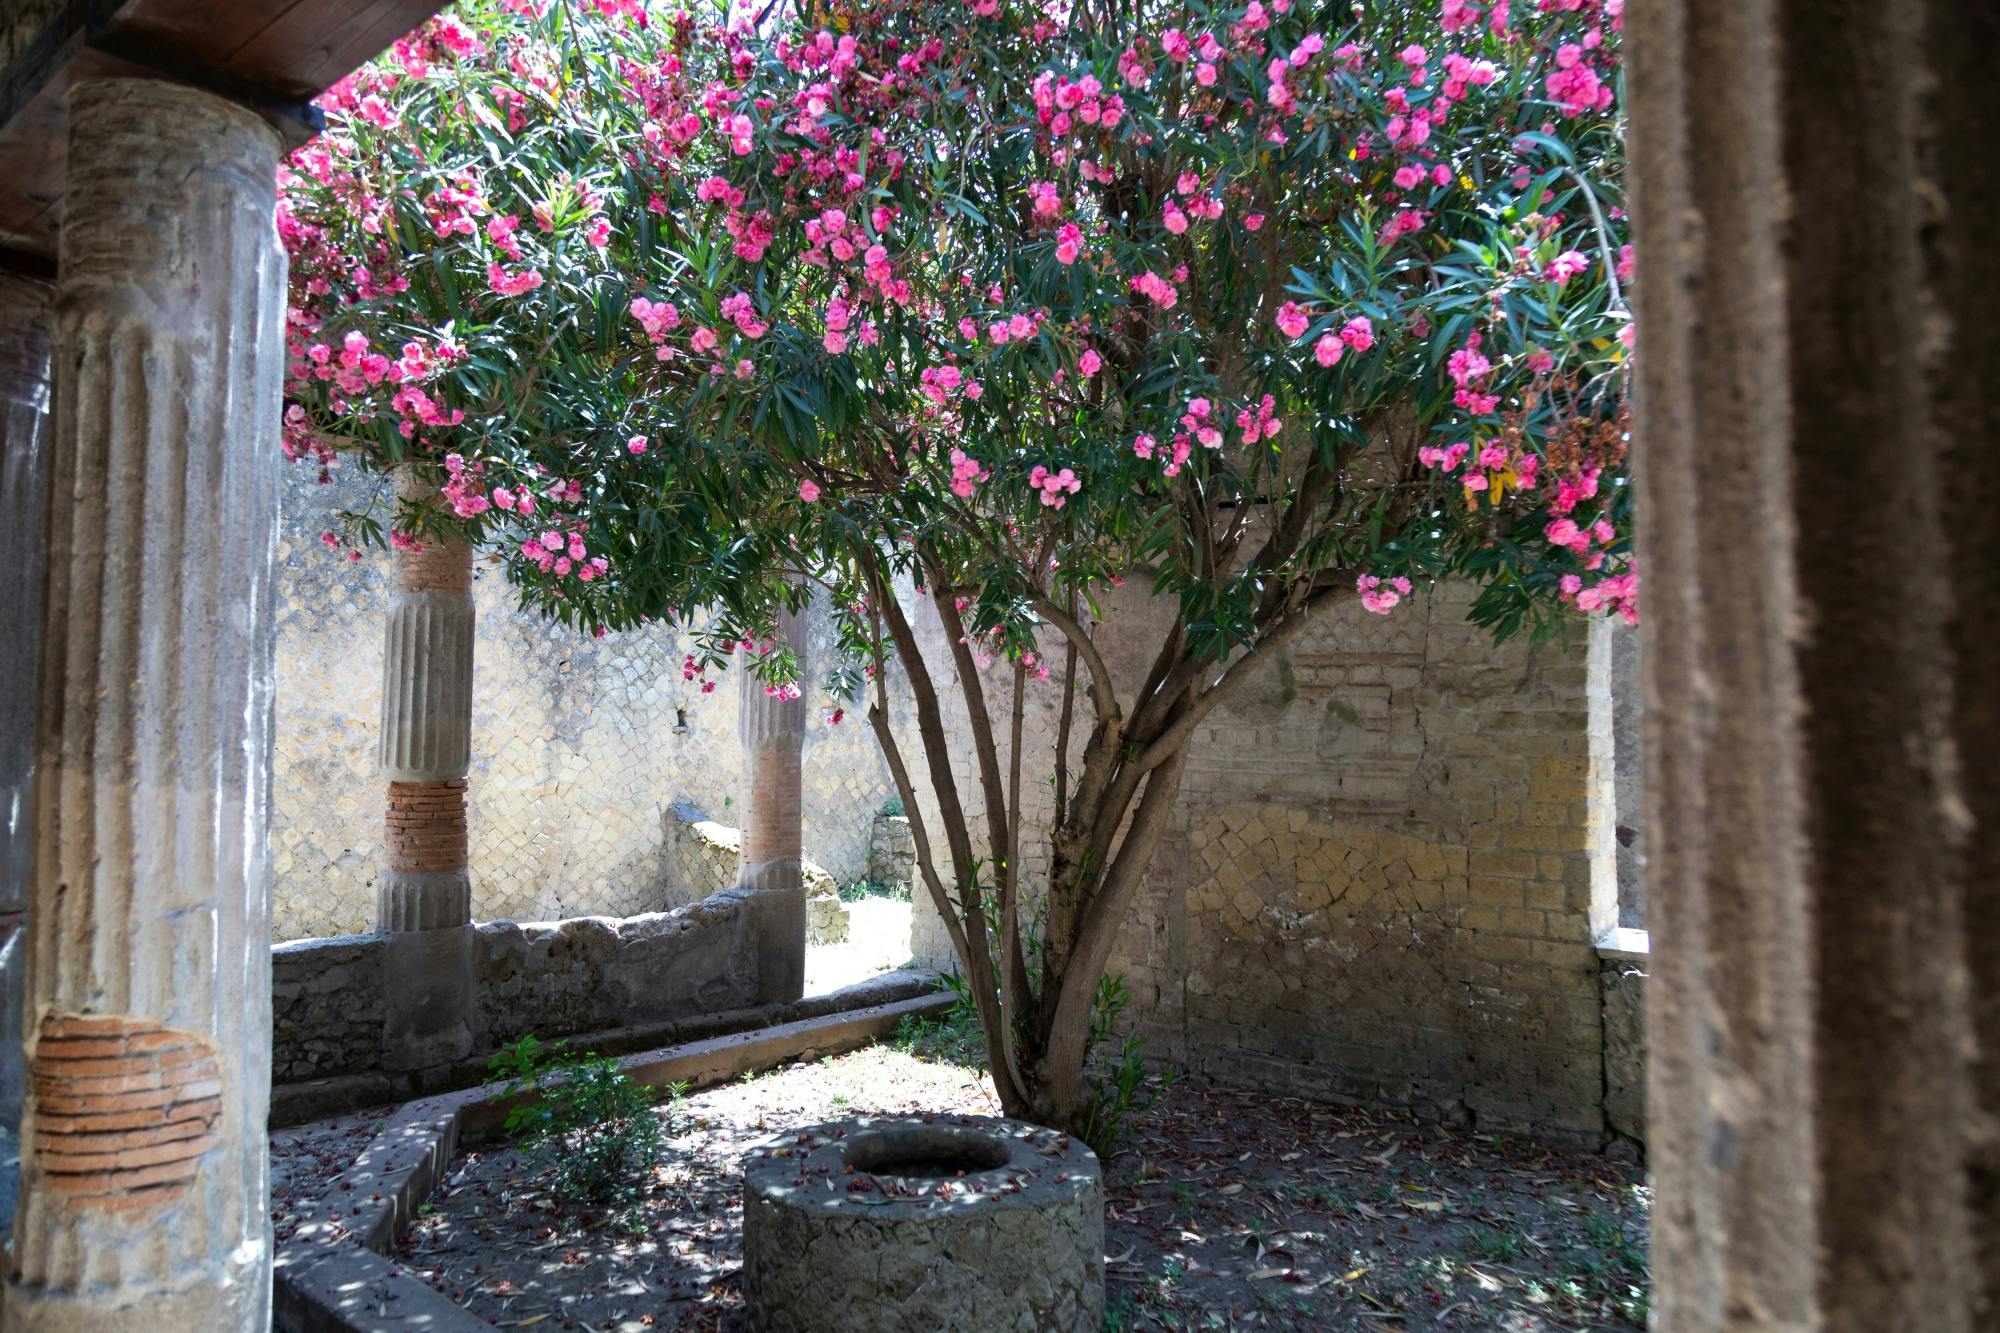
24,402
149,968
424,893
1814,188
772,731
426,746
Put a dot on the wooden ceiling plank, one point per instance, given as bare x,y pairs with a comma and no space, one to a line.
275,55
319,44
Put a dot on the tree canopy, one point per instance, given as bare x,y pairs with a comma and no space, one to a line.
1274,305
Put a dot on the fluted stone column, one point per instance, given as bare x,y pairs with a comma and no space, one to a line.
1814,188
24,402
424,895
772,732
149,967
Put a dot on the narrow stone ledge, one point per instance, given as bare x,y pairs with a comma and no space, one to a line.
351,1289
1624,944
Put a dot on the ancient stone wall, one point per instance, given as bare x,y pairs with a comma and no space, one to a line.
549,978
1377,885
576,748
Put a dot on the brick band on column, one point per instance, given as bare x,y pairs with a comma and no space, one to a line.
126,1108
426,826
437,565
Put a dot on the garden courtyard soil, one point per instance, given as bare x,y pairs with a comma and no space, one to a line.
1225,1210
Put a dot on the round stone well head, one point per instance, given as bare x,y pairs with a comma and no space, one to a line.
923,1223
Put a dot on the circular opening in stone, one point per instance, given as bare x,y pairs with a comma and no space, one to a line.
924,1152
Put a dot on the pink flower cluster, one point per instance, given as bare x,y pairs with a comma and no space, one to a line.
1615,592
563,554
1156,289
1380,595
658,319
1358,333
462,489
1176,456
1261,424
1575,85
1199,421
1469,370
1056,487
506,282
966,473
1061,105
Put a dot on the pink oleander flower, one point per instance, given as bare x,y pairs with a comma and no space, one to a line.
1467,367
512,284
636,445
1379,595
1328,349
1292,319
1566,266
809,492
1445,458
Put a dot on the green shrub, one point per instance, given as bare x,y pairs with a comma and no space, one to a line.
583,1116
953,1037
1117,1090
893,807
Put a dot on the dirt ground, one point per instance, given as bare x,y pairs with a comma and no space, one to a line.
1225,1210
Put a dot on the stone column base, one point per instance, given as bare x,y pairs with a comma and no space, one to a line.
774,922
430,1007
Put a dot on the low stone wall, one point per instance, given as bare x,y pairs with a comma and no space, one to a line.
892,852
549,978
703,856
326,1007
699,854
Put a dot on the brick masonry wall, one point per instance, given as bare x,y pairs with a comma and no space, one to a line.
575,758
1377,885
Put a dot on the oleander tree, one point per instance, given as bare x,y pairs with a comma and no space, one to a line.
1273,306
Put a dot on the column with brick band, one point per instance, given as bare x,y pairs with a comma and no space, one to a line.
143,1181
772,732
423,897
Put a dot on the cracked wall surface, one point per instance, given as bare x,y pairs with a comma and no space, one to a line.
575,753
